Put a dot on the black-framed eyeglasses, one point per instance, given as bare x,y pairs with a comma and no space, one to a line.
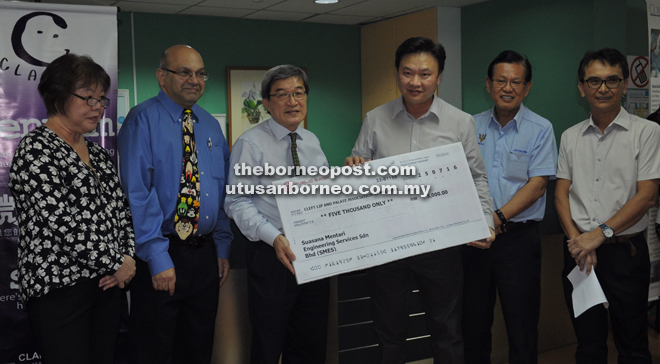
611,82
282,96
516,85
91,101
187,74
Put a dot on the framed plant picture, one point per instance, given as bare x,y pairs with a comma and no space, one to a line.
244,103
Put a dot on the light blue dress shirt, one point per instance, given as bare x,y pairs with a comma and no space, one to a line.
523,149
150,155
269,142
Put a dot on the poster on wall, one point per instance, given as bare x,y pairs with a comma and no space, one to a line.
653,8
31,36
637,102
637,97
123,107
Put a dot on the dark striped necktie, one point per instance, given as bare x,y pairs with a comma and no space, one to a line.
294,151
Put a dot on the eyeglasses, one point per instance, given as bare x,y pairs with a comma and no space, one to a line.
611,82
187,74
298,95
91,101
516,85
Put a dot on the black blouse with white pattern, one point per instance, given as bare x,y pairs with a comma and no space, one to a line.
74,221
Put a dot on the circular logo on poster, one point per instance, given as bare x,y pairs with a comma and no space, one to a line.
36,31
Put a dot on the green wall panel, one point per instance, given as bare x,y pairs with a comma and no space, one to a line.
330,53
637,28
554,35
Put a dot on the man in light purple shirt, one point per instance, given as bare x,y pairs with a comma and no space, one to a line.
420,120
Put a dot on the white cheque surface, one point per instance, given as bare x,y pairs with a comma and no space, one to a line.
334,234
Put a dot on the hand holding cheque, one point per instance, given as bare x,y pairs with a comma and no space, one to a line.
332,234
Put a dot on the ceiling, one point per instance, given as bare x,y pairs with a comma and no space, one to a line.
343,12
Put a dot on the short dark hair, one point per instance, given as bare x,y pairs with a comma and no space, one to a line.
421,45
509,56
608,56
281,72
65,75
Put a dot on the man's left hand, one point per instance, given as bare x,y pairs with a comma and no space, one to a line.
584,244
484,243
223,270
589,262
284,253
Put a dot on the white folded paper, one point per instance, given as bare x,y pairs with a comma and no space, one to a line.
587,291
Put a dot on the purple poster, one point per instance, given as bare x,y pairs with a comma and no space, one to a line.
31,36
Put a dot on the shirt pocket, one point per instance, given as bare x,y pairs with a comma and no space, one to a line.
217,161
517,166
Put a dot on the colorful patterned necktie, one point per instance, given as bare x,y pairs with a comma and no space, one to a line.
187,209
294,152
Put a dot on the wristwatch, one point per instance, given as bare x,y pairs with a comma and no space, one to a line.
607,231
501,216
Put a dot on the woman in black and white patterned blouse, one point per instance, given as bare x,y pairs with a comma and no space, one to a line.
76,241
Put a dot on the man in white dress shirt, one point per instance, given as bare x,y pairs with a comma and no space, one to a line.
286,318
419,120
607,179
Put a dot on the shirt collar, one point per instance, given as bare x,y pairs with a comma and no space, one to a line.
399,106
622,119
175,110
517,120
280,131
435,108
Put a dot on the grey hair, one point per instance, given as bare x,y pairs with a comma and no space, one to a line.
163,60
281,72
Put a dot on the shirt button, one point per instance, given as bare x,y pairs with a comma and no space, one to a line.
207,218
202,172
207,195
599,159
597,180
596,199
594,219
